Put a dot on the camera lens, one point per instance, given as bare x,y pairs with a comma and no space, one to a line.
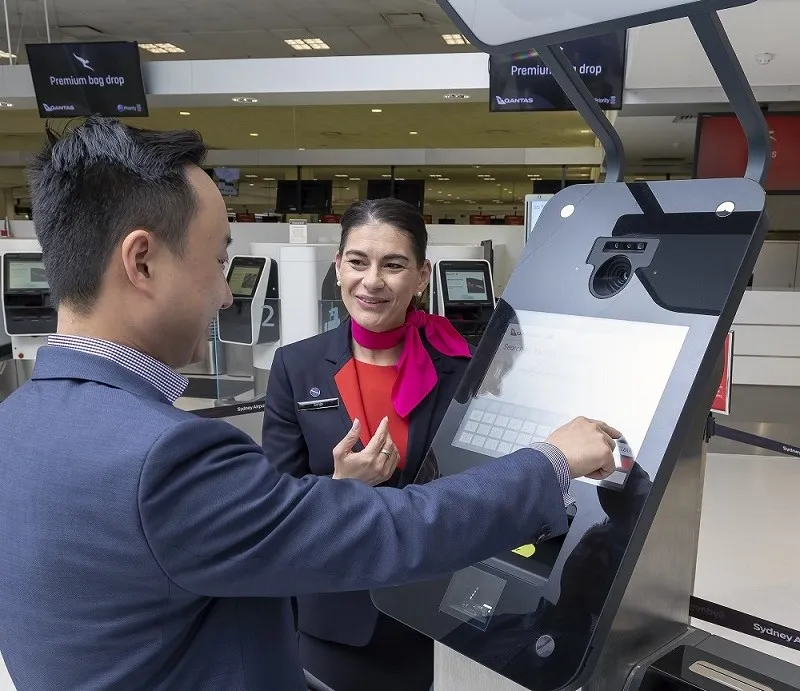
611,276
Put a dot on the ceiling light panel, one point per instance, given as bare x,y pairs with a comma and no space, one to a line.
454,39
307,44
161,48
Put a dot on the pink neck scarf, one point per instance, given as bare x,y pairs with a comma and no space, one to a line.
416,375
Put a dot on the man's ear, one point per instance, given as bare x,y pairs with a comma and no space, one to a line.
137,251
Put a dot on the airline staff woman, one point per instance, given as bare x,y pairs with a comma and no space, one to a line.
383,379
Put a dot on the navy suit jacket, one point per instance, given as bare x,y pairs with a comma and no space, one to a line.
145,548
301,442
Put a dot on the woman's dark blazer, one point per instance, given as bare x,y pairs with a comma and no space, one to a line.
299,440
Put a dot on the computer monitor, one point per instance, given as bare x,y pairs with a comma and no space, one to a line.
466,284
25,274
244,275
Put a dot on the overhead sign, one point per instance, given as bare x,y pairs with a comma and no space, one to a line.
81,79
521,81
722,399
722,149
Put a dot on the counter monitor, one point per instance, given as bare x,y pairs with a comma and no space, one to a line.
466,286
26,274
243,279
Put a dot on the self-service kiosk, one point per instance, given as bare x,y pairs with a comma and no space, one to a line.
617,310
28,311
254,317
463,293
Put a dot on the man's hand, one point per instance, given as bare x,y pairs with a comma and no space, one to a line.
588,446
374,465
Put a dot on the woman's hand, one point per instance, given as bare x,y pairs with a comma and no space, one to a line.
374,465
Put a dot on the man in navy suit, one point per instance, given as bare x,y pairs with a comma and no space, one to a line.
145,548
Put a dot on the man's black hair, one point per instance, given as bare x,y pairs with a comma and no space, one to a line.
96,183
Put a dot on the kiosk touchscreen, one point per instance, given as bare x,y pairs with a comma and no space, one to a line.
252,280
28,311
464,294
617,311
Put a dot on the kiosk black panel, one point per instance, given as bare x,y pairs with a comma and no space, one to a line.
28,307
617,310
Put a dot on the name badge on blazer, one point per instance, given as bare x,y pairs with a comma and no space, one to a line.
318,404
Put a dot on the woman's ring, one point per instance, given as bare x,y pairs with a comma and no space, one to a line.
388,453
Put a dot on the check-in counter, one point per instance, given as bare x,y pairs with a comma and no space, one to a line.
766,342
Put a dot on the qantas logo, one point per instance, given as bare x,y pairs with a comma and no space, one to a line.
83,62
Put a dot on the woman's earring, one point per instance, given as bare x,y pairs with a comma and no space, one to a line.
419,294
338,283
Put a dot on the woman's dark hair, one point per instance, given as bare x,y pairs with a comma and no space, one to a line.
392,212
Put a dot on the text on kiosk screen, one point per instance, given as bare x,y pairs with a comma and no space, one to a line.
466,285
24,275
551,368
242,280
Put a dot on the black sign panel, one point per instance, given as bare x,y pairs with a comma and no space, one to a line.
522,81
331,314
81,79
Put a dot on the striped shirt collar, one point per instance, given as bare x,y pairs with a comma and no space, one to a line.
168,382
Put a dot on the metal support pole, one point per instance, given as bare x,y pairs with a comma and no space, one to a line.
46,20
722,57
391,182
297,190
8,32
580,96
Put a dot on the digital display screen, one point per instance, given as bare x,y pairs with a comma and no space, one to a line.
243,280
552,368
26,275
81,79
466,286
521,81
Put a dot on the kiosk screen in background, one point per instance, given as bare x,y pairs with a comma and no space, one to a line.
243,280
27,275
463,286
552,368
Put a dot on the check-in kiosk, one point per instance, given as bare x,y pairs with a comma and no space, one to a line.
254,317
28,311
617,310
463,293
